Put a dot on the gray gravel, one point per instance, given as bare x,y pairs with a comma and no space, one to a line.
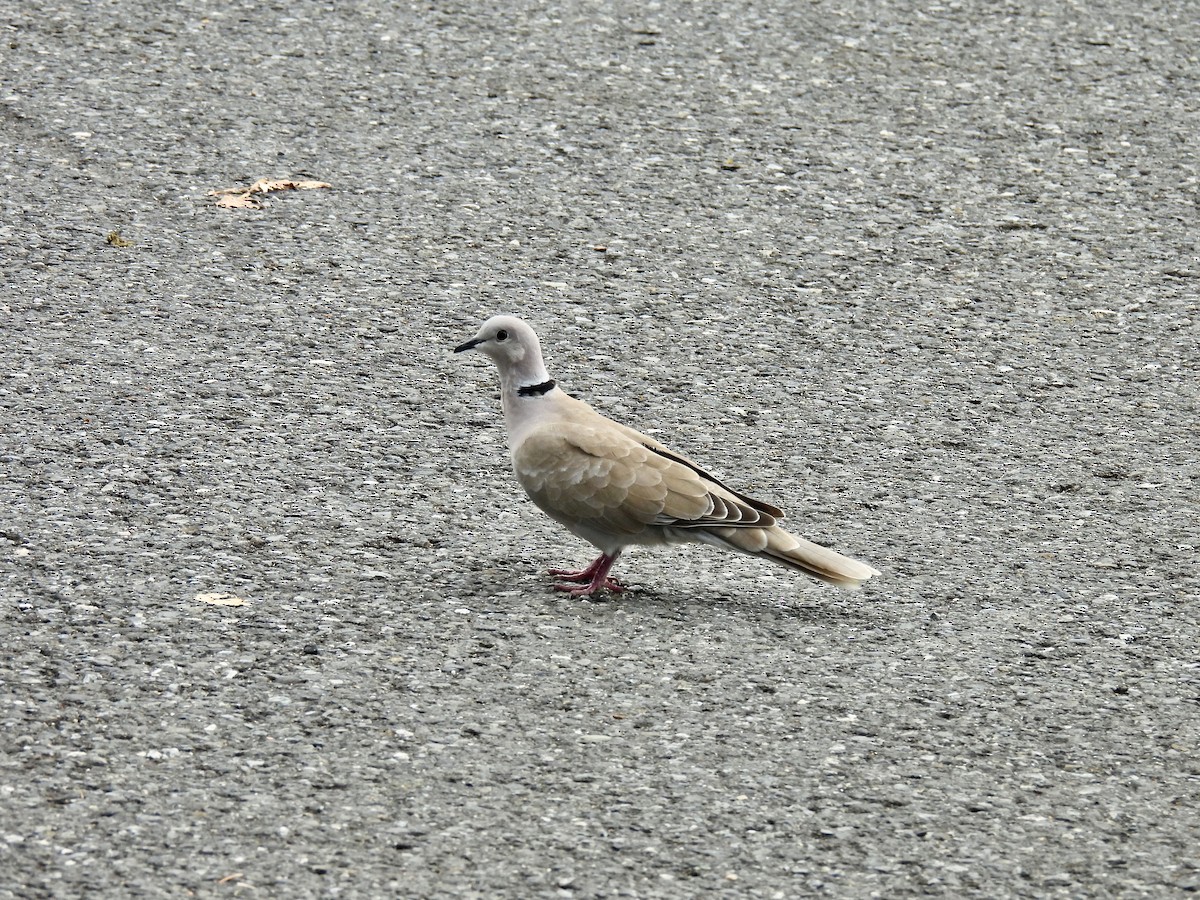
926,276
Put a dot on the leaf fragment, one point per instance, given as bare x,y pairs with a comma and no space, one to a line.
220,599
250,197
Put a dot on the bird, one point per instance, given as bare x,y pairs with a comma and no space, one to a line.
615,487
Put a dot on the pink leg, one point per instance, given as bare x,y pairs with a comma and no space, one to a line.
581,574
596,576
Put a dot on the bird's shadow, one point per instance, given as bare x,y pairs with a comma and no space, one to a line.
808,603
694,605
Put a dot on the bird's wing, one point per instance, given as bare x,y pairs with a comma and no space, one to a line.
598,474
662,450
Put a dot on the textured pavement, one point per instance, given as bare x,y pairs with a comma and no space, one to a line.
925,276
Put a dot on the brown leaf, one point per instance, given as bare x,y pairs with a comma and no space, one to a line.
264,185
240,201
247,197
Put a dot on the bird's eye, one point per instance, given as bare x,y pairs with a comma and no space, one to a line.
502,335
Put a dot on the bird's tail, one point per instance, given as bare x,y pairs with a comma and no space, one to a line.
795,552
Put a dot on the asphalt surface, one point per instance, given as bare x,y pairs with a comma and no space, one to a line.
925,276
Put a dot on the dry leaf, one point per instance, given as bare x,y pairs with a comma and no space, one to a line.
265,185
247,197
239,201
219,599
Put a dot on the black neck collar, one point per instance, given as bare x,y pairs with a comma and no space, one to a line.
535,390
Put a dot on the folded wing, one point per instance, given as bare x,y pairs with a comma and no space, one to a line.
623,483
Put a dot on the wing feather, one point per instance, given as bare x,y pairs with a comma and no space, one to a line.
657,447
603,478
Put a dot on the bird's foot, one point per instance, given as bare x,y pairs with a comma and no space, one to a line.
587,581
585,574
577,575
586,590
572,574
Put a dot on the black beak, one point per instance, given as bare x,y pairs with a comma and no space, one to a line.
469,345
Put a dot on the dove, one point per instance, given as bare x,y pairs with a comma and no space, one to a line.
615,487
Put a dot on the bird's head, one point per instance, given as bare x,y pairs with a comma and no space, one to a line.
510,343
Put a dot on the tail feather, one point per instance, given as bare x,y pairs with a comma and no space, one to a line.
787,549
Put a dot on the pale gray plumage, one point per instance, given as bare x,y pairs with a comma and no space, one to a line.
614,487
